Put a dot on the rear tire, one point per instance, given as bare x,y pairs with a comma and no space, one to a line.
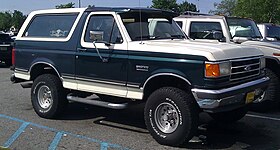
230,116
171,116
271,96
48,96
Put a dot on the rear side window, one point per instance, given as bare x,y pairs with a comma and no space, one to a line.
204,30
51,26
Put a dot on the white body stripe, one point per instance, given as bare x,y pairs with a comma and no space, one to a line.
103,88
22,75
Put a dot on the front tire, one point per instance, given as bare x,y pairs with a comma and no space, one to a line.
48,96
270,100
171,116
230,116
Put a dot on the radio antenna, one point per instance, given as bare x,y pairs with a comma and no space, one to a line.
141,30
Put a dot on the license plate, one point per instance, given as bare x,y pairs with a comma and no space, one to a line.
3,48
250,97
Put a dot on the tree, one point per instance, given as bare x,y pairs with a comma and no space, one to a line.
18,19
186,6
68,5
262,11
172,5
226,7
8,19
5,21
165,4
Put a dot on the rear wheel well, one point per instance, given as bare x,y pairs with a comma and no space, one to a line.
40,69
164,81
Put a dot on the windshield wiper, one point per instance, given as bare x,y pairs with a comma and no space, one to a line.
147,37
177,36
255,36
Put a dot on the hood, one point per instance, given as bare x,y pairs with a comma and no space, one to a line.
212,50
260,44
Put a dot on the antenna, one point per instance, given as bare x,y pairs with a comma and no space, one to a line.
141,30
198,8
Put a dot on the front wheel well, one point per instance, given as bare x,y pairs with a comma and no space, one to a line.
164,81
40,69
273,65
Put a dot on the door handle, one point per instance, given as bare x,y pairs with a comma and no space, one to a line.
81,49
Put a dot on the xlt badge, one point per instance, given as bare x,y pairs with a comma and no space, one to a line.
142,68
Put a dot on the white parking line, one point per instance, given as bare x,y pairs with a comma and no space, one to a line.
263,117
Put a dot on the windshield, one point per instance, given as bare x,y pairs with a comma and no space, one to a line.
273,32
243,28
151,27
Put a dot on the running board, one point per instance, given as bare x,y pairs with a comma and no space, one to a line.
97,102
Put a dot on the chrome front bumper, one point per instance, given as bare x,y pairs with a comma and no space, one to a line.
228,98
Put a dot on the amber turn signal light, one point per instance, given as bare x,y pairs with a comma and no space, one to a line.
212,70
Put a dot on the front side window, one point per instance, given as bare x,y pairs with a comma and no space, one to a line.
106,27
151,26
204,30
51,26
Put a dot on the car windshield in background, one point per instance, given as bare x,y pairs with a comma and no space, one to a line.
151,27
243,28
273,32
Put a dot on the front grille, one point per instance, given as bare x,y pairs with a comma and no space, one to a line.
244,68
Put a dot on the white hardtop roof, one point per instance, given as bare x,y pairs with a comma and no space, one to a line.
53,11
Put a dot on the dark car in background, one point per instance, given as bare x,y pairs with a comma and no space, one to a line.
6,46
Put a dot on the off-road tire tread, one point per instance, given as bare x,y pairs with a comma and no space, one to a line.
55,83
189,104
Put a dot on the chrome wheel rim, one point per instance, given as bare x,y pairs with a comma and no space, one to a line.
260,99
45,97
166,118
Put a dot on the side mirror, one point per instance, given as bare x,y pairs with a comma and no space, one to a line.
96,35
240,39
218,35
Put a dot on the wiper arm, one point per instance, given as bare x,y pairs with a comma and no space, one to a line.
255,36
147,37
177,36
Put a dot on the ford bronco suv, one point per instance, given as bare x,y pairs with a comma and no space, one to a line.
123,56
242,31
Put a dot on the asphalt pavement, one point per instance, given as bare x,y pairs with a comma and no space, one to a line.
89,127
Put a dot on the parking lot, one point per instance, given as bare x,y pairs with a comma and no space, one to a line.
89,127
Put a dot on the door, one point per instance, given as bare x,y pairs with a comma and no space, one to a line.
101,65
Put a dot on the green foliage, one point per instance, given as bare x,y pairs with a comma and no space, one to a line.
5,20
174,6
262,11
8,19
18,19
68,5
186,6
164,4
226,7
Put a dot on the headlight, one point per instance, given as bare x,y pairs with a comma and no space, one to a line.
217,69
262,62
